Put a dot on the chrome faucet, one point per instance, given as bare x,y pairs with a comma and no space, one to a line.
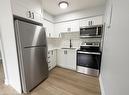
70,43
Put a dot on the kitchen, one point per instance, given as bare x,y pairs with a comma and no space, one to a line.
75,41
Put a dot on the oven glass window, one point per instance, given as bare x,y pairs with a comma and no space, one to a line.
89,60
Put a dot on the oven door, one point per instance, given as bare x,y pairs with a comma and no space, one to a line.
89,59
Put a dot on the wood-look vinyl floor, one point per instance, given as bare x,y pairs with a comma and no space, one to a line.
62,82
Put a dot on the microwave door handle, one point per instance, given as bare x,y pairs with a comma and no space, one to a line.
97,31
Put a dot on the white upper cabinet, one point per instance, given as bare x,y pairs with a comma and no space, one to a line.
30,9
74,26
91,21
70,26
49,27
58,28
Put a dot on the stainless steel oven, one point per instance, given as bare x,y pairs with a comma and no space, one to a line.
88,60
91,31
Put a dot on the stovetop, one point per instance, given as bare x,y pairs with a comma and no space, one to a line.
89,49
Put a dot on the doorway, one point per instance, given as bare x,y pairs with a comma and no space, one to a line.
1,71
3,74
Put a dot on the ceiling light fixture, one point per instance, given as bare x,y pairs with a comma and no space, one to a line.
63,4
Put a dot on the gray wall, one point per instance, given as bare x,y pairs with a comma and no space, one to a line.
115,59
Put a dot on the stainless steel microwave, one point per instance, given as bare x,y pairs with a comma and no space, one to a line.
91,31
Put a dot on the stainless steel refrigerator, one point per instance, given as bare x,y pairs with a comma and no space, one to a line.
32,53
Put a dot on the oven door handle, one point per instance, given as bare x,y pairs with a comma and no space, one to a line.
95,53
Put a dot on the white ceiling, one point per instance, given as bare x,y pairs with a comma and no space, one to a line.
51,6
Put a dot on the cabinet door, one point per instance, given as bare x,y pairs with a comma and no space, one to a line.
91,21
70,26
66,58
36,16
74,25
96,20
58,28
49,28
19,9
71,59
83,22
61,58
22,7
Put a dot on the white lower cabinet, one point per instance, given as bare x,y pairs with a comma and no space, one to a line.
66,58
51,59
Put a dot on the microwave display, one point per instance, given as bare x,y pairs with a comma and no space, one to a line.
94,31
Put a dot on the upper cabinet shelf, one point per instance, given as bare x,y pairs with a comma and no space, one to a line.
29,9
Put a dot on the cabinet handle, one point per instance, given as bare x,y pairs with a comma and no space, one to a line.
49,62
49,67
29,14
59,34
32,15
49,34
65,52
49,57
52,52
91,22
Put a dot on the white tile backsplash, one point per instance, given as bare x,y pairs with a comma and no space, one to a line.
64,42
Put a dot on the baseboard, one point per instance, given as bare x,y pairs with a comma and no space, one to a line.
101,85
6,82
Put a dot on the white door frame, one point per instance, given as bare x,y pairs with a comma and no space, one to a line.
3,60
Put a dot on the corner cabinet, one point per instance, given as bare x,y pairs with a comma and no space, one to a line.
66,58
29,9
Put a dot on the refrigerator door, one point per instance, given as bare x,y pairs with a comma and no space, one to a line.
35,67
32,54
31,34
